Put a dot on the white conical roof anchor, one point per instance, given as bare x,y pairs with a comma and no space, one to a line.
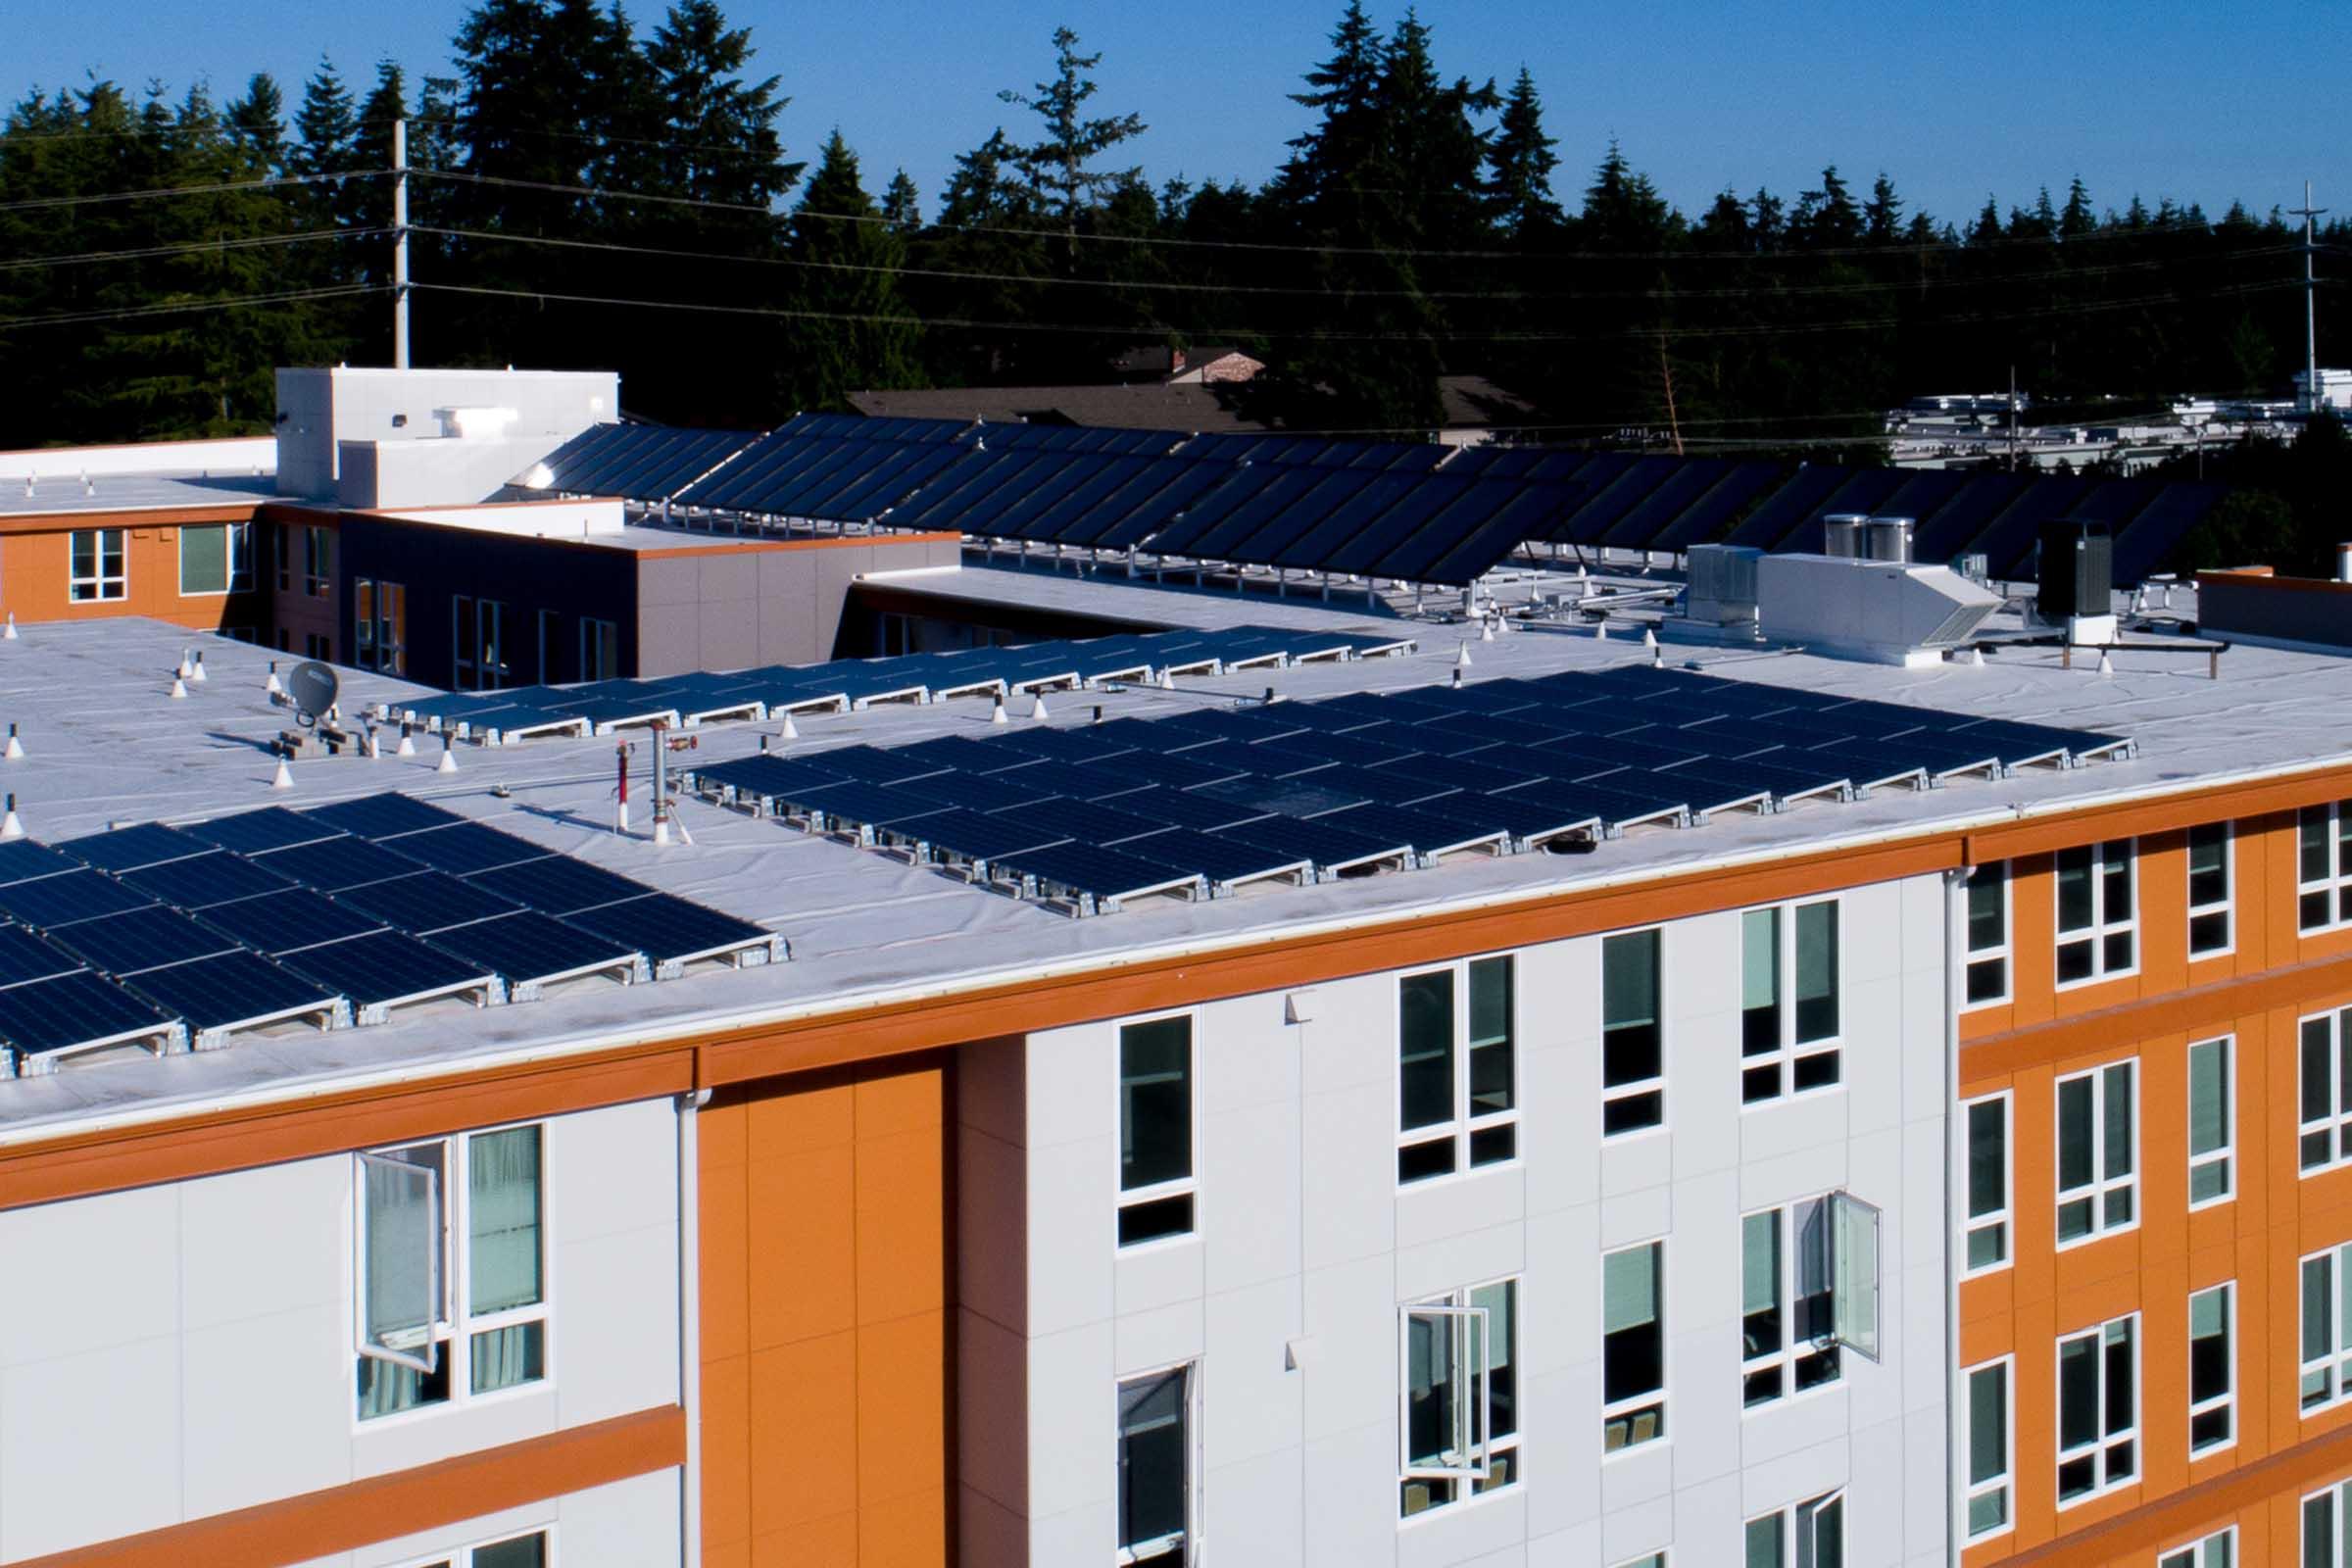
1976,658
283,778
996,714
792,731
1461,657
1038,709
10,635
1486,632
16,748
179,687
449,758
1649,636
273,687
10,827
185,668
1600,630
198,673
1167,679
407,744
2106,665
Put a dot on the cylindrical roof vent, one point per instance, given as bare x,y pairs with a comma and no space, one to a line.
1842,534
1887,539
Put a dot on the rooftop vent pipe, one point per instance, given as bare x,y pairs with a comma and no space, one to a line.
2343,562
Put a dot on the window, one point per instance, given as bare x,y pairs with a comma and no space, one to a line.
549,620
1633,1345
1652,1559
1156,1459
2098,1153
1787,1049
316,646
379,626
215,558
283,535
1987,1182
318,562
2214,1551
2099,1409
1987,973
1988,1441
2323,1512
600,649
2323,866
1788,1334
464,631
2211,1134
1811,1535
2211,867
2097,912
2325,1135
451,1259
98,570
1156,1130
491,617
2212,1369
2327,1330
514,1551
1456,1109
1633,1044
1459,1424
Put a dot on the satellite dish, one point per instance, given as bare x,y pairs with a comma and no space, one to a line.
312,688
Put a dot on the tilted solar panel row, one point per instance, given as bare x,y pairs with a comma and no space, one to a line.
639,462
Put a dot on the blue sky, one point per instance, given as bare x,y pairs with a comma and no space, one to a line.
2201,102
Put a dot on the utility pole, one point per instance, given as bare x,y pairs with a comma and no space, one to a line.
2311,335
399,244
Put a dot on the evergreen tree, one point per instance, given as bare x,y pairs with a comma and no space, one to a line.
1057,165
853,334
2078,220
902,204
1521,161
1883,213
257,122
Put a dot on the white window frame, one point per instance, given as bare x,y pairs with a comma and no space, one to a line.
1633,1088
2003,1484
2101,929
2002,952
2105,1442
2104,1186
2225,1401
1181,1550
1650,1401
2336,1500
1465,1125
2334,1124
1649,1560
1187,1186
2335,883
318,562
2332,1366
455,1324
2201,1552
1791,1522
462,1556
1478,1451
1782,1058
236,544
101,586
2002,1219
2223,1156
2225,906
1788,1223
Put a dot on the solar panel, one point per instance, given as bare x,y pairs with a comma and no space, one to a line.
1104,875
967,835
671,930
383,816
426,903
143,939
203,880
1225,861
384,968
333,864
281,922
528,948
78,895
126,849
25,957
559,885
81,1009
1329,847
231,989
21,859
466,848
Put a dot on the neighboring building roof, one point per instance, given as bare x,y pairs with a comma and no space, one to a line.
67,494
1177,406
107,746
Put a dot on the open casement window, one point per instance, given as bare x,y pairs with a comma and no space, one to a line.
1633,1040
2214,1551
1853,1269
1809,1278
2099,912
1457,1106
1788,1000
1987,1182
514,1551
2099,1152
2212,1368
1988,933
1632,1347
1156,1184
2324,1128
405,1233
2099,1409
1156,1459
2210,887
1459,1419
1810,1535
1988,1441
2323,867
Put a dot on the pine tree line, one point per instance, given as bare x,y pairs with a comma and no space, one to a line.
587,194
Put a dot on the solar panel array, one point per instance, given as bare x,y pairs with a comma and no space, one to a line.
1198,805
166,937
840,684
1405,511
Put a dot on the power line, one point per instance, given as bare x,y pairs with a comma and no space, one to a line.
189,306
252,242
212,189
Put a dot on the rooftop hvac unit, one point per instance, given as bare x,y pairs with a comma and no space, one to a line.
1723,584
2077,570
1887,539
1842,534
1886,611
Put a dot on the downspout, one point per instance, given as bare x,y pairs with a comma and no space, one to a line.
1955,925
690,1324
